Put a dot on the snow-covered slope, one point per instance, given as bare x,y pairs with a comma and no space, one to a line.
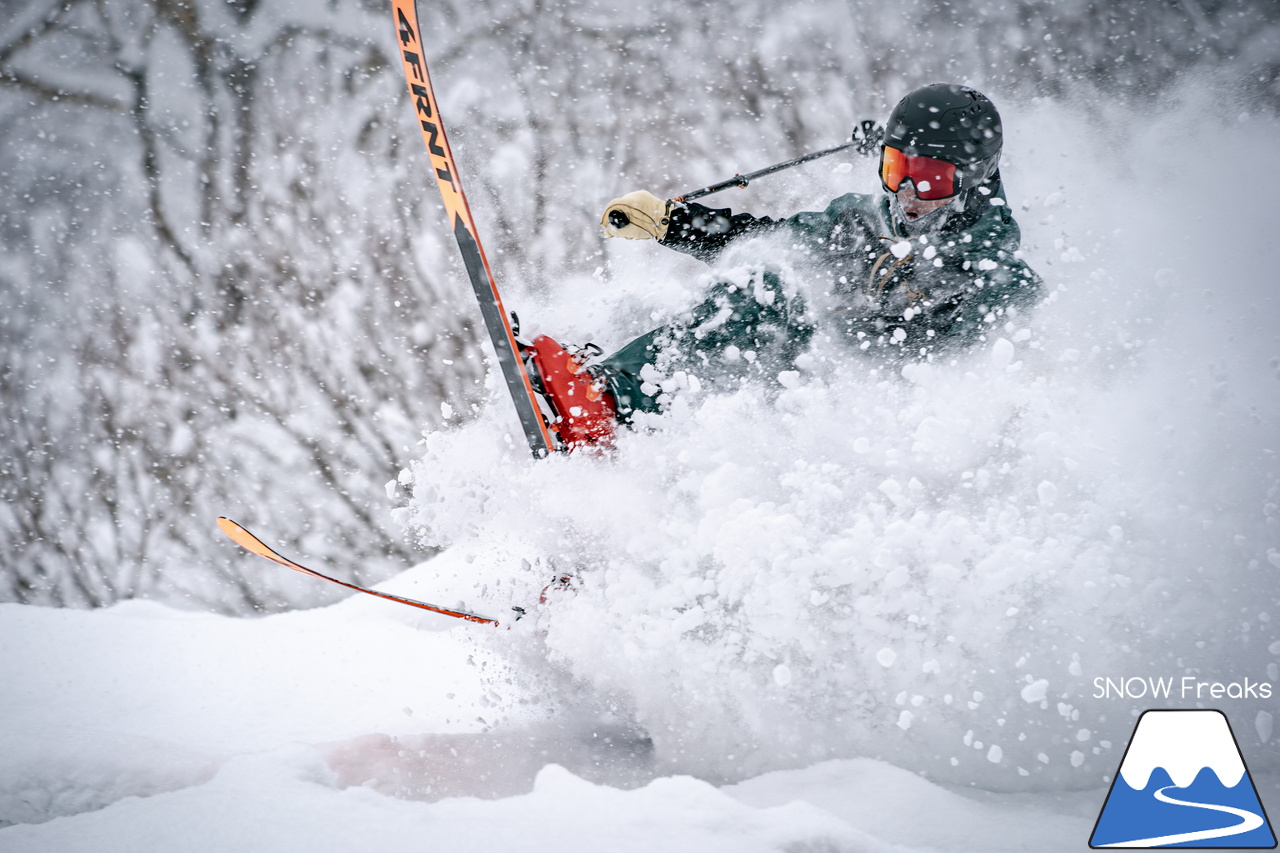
363,726
145,728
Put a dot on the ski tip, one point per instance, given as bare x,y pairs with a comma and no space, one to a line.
245,539
231,528
236,533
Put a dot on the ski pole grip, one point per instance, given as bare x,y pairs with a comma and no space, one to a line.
618,219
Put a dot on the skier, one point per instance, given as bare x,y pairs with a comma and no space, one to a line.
929,264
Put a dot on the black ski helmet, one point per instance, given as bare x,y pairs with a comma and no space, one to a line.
947,122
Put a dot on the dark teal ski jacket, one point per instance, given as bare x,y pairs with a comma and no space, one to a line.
868,281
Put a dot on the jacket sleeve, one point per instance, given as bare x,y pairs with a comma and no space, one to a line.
704,233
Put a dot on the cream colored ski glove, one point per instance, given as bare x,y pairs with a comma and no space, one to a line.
640,215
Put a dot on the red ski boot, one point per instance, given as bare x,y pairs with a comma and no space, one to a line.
581,410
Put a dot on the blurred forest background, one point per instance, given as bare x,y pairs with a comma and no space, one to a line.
225,284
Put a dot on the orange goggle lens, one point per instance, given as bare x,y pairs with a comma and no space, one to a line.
933,179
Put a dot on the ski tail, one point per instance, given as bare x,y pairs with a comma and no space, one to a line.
254,545
445,168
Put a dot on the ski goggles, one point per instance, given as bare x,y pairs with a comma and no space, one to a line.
933,179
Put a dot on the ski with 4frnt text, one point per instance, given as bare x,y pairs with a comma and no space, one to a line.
445,168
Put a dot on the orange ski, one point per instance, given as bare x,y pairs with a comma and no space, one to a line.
253,544
496,319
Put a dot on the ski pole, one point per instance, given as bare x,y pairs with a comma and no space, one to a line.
866,138
744,180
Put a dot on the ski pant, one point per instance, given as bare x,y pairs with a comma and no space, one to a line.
740,330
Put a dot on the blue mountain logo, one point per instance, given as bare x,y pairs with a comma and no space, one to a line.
1183,783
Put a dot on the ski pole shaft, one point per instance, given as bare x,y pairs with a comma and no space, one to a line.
619,219
867,136
744,180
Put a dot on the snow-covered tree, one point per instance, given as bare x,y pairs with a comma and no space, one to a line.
223,286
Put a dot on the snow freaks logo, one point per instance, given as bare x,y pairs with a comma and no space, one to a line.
1182,783
1186,687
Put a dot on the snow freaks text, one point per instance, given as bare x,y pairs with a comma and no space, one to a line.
1186,687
